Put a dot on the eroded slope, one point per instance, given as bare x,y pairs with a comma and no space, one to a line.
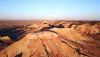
58,39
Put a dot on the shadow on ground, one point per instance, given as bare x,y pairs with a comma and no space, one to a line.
12,32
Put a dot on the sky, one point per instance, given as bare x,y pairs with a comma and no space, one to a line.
49,9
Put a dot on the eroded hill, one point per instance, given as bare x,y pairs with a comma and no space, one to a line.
57,39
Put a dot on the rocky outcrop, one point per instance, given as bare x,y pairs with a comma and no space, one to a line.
58,39
5,39
88,29
55,42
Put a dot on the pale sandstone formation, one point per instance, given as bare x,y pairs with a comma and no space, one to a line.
5,39
55,42
71,41
88,29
